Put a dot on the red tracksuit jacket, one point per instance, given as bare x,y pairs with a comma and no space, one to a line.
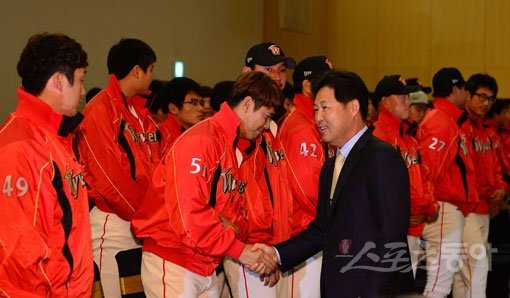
45,242
446,152
487,167
391,130
268,199
196,183
118,153
170,131
504,134
301,142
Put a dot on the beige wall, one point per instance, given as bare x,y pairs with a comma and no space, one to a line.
211,37
408,37
295,44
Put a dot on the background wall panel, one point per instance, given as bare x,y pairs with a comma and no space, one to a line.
211,37
413,37
352,37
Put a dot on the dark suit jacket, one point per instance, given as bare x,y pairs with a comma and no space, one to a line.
369,213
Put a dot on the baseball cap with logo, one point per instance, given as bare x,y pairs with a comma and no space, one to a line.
392,85
310,68
267,54
445,79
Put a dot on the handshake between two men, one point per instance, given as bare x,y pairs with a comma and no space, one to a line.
261,259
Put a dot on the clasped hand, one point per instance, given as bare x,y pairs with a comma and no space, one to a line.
262,260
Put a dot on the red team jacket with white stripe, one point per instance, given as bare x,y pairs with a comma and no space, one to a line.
391,130
301,142
488,169
170,131
445,150
504,134
196,184
268,200
118,150
45,242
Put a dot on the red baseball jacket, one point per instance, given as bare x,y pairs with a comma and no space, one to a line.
118,150
170,131
268,199
391,130
504,133
45,242
302,146
488,170
446,152
196,185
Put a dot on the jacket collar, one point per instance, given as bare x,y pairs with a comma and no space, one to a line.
42,115
116,93
305,104
389,121
478,122
449,108
229,121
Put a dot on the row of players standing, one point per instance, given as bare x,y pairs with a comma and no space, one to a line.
212,192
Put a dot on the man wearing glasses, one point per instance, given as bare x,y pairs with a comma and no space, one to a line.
183,106
447,153
481,94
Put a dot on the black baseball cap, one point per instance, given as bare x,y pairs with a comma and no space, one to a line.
267,54
309,68
445,79
417,82
392,85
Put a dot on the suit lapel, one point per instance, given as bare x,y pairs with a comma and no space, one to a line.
350,163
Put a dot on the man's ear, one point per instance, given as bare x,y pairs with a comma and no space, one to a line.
56,82
383,102
173,109
246,104
246,69
136,71
306,85
354,107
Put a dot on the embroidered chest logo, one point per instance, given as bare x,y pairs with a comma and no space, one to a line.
149,137
462,145
410,160
134,136
481,146
230,183
274,156
73,181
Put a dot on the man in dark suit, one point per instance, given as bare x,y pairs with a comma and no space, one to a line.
361,223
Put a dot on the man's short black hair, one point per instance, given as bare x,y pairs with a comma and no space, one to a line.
482,80
91,93
205,91
220,93
152,104
46,54
128,53
347,86
175,92
498,107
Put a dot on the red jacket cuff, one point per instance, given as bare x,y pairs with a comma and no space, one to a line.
236,249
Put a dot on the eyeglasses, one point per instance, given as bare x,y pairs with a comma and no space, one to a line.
484,97
196,102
